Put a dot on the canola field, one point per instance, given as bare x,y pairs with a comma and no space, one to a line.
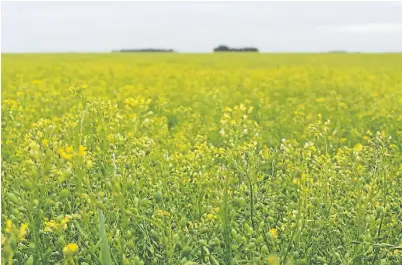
201,159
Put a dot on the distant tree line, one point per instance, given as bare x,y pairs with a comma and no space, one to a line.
220,48
224,48
337,51
144,50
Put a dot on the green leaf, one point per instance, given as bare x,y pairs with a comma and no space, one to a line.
105,257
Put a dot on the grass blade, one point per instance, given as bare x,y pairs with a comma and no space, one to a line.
104,254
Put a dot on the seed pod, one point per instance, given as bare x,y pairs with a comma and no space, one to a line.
209,209
108,186
179,246
144,202
158,196
249,230
244,240
99,204
13,242
130,183
18,255
13,198
129,234
183,222
213,260
116,186
6,252
60,243
155,235
239,202
259,240
30,261
28,184
379,210
186,251
301,262
176,237
130,244
270,220
264,249
206,250
64,193
337,256
136,202
16,212
204,230
270,237
137,260
251,245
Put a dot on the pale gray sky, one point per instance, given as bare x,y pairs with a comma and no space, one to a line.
201,26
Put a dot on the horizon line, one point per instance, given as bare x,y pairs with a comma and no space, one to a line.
195,52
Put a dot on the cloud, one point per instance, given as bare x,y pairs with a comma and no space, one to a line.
369,28
372,28
395,3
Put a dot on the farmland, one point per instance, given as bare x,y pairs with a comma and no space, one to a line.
201,159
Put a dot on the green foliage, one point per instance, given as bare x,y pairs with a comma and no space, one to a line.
201,159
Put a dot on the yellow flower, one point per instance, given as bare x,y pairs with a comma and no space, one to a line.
211,217
399,252
45,142
242,107
274,232
9,226
23,231
90,164
266,152
69,149
53,225
70,249
50,225
162,213
65,155
64,222
82,151
358,147
273,260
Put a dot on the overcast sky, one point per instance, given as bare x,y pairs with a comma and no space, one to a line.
201,26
